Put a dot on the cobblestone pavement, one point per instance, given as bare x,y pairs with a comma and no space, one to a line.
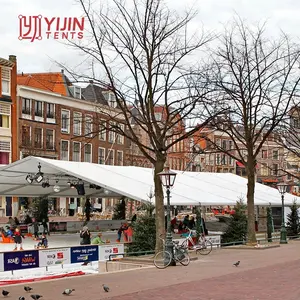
263,274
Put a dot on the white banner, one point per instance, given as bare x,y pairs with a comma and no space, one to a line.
1,262
106,250
53,257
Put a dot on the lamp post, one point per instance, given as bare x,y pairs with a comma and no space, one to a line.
167,178
282,187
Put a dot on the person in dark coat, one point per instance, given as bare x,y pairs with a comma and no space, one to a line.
17,236
35,225
45,227
85,239
88,210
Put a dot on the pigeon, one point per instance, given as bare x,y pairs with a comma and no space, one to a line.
237,263
36,297
5,293
106,288
68,291
21,298
28,288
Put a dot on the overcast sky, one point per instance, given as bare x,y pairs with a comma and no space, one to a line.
37,56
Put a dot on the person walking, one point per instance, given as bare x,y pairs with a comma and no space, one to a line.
45,227
85,239
35,225
88,210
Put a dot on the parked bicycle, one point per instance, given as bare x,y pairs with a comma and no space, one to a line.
163,259
203,246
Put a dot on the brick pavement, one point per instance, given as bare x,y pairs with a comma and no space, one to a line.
263,274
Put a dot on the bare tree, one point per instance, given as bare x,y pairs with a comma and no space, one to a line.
255,78
142,52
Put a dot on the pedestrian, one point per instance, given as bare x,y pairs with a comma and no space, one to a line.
11,222
35,225
17,236
98,240
88,210
85,239
17,222
45,227
120,231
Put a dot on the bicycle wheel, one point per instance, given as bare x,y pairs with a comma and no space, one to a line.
204,247
182,256
162,259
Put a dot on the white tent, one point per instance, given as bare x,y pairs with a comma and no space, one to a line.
191,188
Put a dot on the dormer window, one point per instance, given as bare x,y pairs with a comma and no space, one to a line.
5,81
111,99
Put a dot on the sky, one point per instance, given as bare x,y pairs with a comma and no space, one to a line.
42,55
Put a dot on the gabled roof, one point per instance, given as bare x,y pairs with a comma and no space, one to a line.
51,82
93,93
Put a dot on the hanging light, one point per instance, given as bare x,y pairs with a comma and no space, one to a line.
29,179
56,188
39,175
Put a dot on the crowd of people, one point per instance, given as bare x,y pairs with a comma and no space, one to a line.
188,222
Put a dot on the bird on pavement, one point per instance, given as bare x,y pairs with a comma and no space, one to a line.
237,263
68,292
21,298
105,288
36,297
5,293
28,288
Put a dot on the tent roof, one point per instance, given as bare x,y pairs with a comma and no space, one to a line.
191,188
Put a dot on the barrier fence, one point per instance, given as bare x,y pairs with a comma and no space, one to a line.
28,259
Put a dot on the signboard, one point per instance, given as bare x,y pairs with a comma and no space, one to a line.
106,250
84,253
19,260
53,257
1,262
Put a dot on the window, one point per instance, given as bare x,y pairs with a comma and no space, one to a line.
218,142
230,145
88,125
77,118
224,144
64,153
102,131
264,154
264,170
49,139
76,151
88,153
224,159
111,134
120,137
38,136
120,158
26,106
38,108
275,169
101,156
4,121
50,110
295,123
4,152
218,159
110,159
110,98
26,135
5,81
275,154
65,121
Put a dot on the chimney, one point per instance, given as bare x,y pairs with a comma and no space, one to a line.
13,58
62,71
91,81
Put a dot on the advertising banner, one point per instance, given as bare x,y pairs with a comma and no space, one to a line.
54,257
84,253
19,260
106,250
1,262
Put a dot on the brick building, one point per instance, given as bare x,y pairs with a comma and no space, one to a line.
8,131
60,121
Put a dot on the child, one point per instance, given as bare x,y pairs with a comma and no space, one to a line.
97,240
18,239
43,243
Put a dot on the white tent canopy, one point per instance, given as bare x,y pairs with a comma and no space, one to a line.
190,188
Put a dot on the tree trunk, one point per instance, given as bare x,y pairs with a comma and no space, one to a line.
159,204
251,240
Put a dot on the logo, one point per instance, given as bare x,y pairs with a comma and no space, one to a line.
60,255
13,261
51,256
36,27
115,250
26,260
108,251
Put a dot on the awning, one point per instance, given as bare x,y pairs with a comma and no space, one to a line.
239,164
190,188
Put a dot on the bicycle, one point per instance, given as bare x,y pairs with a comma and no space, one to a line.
163,259
202,246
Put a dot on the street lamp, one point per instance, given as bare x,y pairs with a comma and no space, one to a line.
167,178
282,187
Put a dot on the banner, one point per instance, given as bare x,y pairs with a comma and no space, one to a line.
53,257
106,250
1,262
19,260
57,226
84,253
